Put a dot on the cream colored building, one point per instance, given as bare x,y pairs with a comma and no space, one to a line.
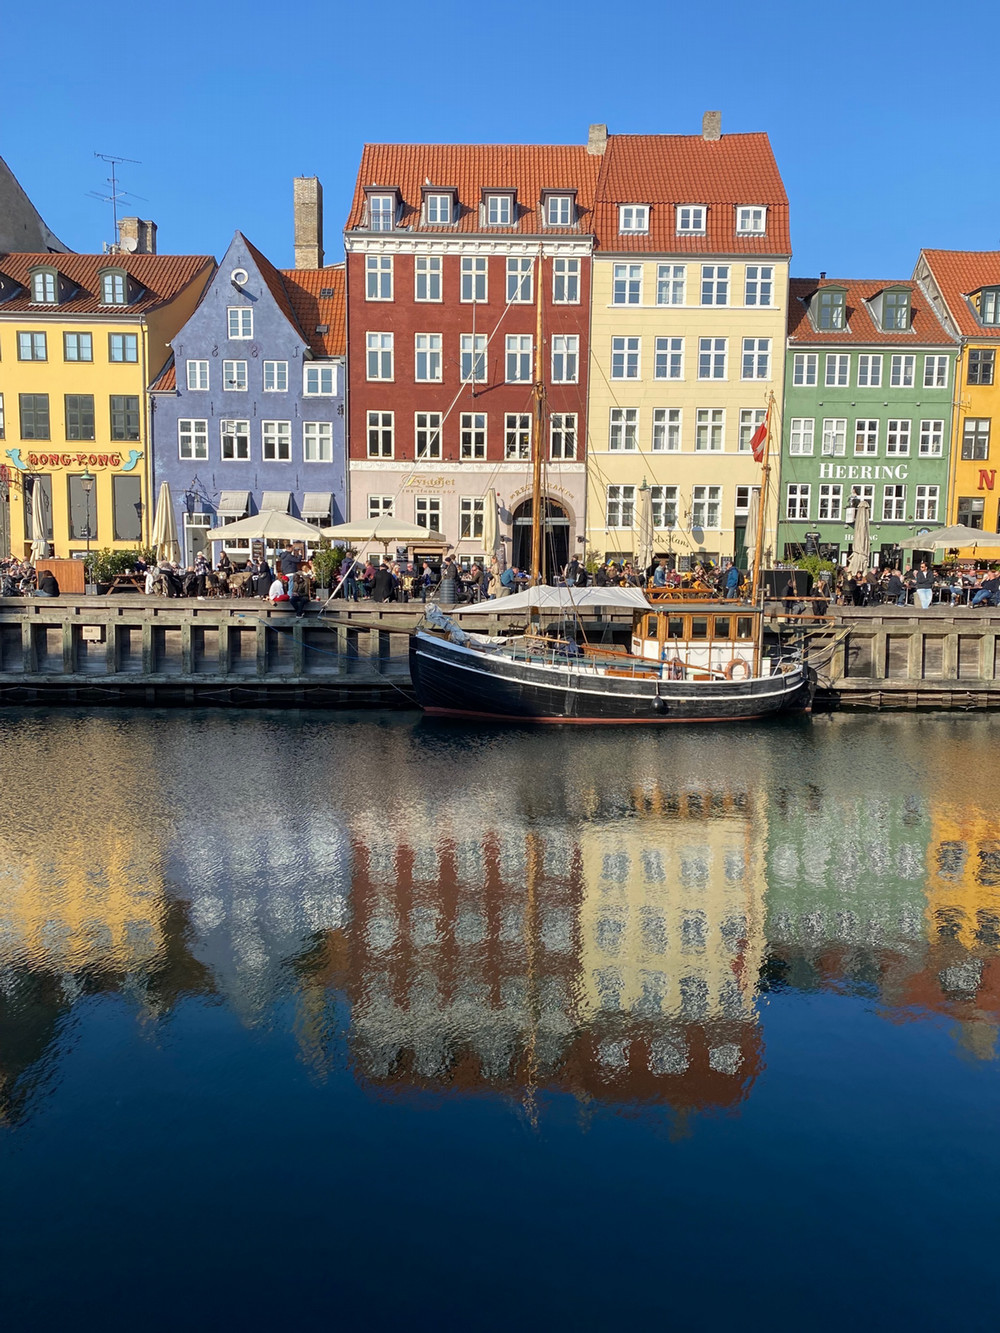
689,308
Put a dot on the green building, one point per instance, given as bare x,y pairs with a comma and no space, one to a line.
867,415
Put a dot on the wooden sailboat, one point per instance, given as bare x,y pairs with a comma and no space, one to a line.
691,658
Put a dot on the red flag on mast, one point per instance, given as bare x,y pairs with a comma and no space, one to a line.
759,437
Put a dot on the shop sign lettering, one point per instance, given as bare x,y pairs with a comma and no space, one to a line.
862,472
987,476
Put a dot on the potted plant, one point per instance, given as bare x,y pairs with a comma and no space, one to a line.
326,560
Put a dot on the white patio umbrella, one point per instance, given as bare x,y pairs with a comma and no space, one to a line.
270,524
644,553
862,553
39,522
384,531
165,527
491,529
958,536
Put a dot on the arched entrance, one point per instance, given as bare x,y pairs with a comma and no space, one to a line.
555,538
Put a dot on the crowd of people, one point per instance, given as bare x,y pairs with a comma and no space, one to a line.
921,584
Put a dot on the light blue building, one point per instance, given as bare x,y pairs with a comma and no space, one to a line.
248,413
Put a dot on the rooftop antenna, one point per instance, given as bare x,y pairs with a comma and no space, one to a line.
115,196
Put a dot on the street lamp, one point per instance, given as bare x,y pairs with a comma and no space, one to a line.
87,482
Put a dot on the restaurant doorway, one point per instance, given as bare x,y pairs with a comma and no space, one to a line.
555,538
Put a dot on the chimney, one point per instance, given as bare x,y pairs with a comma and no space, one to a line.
597,140
711,125
136,237
308,209
822,276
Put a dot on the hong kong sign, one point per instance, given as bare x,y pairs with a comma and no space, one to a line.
60,459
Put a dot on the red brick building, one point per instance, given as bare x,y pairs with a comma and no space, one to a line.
444,245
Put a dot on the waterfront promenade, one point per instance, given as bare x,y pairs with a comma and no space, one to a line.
150,650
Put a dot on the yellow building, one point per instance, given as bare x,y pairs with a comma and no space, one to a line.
964,286
81,338
687,339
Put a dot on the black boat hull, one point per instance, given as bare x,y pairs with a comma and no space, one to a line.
463,682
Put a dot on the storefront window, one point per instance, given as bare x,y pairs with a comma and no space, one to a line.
126,501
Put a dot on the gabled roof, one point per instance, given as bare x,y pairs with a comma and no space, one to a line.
166,381
528,169
861,326
664,170
160,277
275,286
959,273
305,288
21,225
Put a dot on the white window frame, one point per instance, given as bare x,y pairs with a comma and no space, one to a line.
668,425
903,371
518,358
427,511
626,358
802,437
471,518
833,439
623,430
427,278
316,375
668,358
235,376
830,504
192,439
691,219
626,284
935,371
380,426
633,219
276,441
557,205
751,219
706,507
715,284
756,358
565,358
565,281
805,369
931,438
472,427
240,322
520,280
317,440
381,212
563,436
473,278
894,503
472,348
428,356
277,373
664,502
926,503
197,376
381,506
380,360
502,205
837,370
710,430
870,370
619,507
797,500
713,357
866,430
671,284
750,419
898,435
758,286
438,210
517,436
427,428
236,430
378,277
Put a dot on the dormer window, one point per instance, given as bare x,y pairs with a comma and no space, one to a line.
440,209
751,220
44,286
381,212
114,287
989,305
831,305
691,219
633,219
498,209
559,210
895,310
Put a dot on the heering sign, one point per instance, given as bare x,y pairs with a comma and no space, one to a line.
862,472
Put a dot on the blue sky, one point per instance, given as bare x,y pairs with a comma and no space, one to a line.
881,128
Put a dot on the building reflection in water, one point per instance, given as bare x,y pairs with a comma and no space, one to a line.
517,913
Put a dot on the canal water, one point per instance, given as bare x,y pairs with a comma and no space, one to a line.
357,1021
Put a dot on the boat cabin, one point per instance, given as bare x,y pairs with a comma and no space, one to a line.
715,642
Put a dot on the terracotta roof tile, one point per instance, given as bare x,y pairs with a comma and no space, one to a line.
959,273
664,170
312,309
166,381
275,285
526,168
162,277
861,324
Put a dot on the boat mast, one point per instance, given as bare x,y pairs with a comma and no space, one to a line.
537,522
764,476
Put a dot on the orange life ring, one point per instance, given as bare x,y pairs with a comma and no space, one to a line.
734,662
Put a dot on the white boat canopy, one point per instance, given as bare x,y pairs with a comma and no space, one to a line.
544,598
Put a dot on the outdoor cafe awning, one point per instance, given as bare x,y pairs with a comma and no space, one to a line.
233,502
317,504
279,501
